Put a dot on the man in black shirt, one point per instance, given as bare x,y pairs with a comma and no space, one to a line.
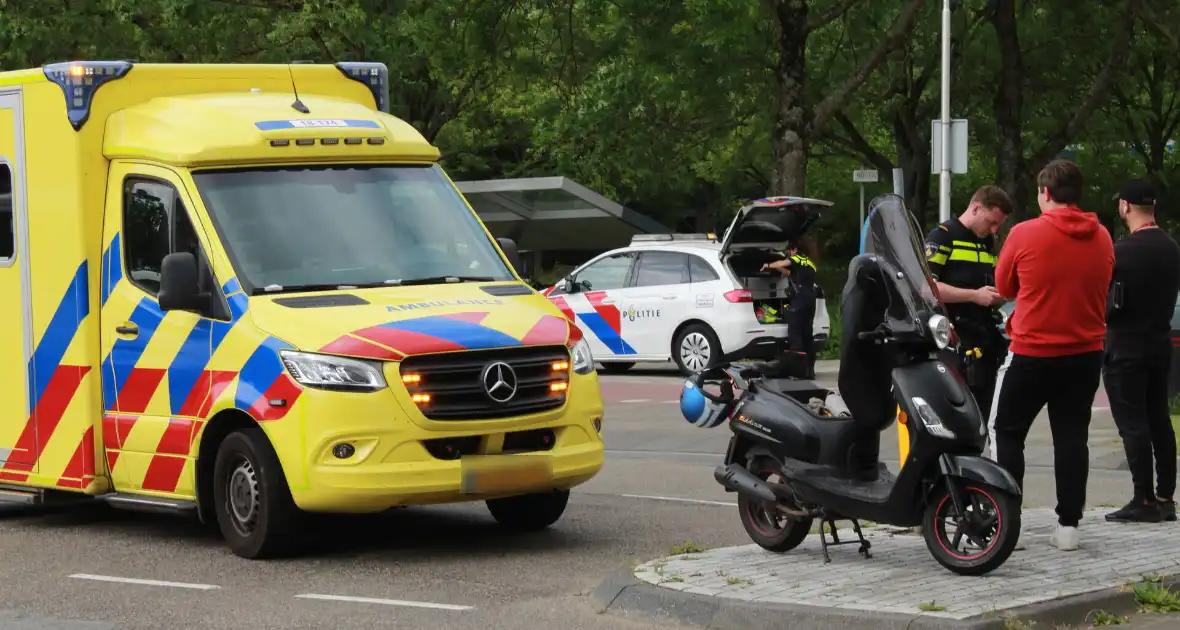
1139,353
961,255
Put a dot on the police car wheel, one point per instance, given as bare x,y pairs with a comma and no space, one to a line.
695,348
529,512
253,504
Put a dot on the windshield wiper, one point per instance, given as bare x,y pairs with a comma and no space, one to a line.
272,289
436,280
397,282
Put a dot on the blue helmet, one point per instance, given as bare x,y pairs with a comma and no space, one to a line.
699,410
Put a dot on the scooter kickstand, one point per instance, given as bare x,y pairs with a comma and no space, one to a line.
823,543
865,545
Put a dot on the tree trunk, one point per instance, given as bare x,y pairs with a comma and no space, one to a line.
1007,107
791,120
1015,171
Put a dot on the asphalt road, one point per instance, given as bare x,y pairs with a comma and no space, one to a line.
443,566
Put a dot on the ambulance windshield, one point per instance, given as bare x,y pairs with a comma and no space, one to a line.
321,227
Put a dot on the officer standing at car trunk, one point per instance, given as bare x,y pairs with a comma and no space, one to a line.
800,269
961,255
1139,353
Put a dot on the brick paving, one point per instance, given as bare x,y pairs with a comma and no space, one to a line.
902,576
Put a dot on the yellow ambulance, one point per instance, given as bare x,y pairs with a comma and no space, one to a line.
247,292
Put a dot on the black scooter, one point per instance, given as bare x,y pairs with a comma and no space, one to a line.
791,460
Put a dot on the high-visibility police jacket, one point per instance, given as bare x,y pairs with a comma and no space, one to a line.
959,258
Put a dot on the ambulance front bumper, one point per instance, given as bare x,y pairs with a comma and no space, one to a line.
367,456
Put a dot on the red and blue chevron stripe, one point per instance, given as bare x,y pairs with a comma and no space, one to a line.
265,378
442,333
606,322
51,385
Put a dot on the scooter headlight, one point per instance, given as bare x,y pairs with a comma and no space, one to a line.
940,327
930,420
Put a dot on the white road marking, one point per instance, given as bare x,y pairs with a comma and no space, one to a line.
635,401
123,580
678,500
385,602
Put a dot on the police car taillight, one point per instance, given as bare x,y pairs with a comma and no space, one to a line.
741,295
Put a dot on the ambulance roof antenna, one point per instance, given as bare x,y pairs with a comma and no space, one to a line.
298,104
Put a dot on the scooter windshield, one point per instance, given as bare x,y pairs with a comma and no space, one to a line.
892,234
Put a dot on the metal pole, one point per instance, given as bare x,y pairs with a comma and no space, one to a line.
861,225
944,176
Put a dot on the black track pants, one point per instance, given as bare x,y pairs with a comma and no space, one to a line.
1066,384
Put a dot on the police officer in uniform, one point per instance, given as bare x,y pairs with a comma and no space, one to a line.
962,258
800,269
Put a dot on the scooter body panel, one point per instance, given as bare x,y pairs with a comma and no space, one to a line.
790,430
979,470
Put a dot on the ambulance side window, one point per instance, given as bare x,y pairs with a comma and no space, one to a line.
155,224
7,225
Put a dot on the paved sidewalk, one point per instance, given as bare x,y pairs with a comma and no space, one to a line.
903,578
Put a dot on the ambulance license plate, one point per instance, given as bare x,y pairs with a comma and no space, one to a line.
489,474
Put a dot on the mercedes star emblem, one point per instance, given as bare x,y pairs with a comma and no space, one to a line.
499,381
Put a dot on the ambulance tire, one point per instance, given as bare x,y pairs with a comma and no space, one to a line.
529,512
247,464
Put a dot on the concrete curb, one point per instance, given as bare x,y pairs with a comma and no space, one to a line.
621,593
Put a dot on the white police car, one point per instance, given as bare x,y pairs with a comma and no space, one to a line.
691,299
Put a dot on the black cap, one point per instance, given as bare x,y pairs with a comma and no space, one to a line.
1137,192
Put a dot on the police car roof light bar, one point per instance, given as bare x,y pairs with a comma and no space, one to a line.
654,238
80,80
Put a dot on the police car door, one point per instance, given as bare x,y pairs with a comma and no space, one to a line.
656,303
591,299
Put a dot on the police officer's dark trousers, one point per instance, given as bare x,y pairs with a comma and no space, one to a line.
980,371
800,329
1136,379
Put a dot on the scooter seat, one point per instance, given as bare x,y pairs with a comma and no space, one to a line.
799,390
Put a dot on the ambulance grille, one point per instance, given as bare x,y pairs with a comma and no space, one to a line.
454,382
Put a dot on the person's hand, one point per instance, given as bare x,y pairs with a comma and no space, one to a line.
778,265
987,296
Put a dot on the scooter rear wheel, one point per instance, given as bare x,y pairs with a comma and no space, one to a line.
979,541
767,527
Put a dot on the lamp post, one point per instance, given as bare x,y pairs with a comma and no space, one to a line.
944,175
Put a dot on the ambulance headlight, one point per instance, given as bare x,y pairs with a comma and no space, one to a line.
322,371
940,328
583,360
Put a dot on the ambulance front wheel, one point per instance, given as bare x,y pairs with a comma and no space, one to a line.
254,508
529,512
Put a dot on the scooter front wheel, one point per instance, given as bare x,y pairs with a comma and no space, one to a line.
977,539
767,527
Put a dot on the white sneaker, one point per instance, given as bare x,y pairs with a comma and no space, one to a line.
1065,538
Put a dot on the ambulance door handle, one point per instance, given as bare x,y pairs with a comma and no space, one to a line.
130,329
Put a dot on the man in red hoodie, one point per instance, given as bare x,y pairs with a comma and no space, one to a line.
1058,268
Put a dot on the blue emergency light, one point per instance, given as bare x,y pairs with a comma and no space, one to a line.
79,80
374,75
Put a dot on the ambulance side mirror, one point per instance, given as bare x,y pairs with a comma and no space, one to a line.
508,246
179,288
